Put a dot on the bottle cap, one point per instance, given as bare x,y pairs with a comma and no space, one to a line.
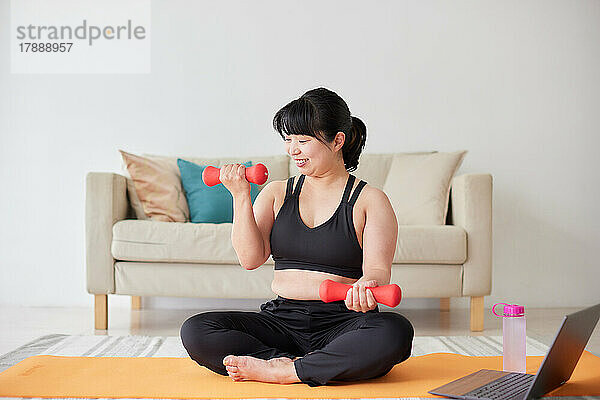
510,310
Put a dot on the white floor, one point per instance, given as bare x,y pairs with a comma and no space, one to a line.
19,325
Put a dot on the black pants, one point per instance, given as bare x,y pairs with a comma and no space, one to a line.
335,343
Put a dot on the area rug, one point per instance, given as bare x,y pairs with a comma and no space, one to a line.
145,346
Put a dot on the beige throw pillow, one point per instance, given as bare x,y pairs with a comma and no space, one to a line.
418,186
156,189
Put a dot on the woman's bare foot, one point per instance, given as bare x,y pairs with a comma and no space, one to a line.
247,368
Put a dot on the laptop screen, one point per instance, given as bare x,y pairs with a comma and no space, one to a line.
566,349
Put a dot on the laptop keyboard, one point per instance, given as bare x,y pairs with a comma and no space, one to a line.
506,387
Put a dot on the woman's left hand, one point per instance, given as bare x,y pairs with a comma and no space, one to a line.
358,298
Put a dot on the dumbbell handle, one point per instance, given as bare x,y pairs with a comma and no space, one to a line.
390,295
256,174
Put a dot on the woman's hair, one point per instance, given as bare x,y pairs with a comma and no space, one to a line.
321,113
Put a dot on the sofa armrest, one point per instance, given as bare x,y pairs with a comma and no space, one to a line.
105,204
471,207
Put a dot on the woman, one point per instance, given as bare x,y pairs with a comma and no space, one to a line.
313,236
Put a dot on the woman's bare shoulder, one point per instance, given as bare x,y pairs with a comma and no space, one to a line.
378,209
281,186
372,193
276,188
373,197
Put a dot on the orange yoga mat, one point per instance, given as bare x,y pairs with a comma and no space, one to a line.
182,378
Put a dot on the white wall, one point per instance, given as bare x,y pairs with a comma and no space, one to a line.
514,82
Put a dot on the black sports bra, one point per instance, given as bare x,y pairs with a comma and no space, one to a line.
330,247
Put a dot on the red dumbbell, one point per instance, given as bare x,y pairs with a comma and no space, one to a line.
390,295
256,174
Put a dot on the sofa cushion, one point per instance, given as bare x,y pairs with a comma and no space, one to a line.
418,186
156,241
157,187
431,244
144,240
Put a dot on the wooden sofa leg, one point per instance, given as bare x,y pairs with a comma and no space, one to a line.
477,314
101,311
136,302
445,304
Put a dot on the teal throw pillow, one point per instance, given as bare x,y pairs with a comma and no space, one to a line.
208,204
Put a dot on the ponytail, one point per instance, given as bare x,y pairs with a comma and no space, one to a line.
354,144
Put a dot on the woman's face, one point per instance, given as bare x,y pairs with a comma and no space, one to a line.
309,154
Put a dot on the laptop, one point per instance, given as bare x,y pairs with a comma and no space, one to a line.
556,369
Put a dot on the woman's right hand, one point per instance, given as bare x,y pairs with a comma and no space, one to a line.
233,177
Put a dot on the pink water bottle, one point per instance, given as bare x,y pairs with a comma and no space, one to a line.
513,337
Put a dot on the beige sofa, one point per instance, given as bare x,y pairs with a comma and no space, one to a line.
134,257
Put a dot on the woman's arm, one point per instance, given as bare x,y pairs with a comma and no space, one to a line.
380,235
252,227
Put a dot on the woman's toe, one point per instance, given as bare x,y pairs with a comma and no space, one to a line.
228,359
